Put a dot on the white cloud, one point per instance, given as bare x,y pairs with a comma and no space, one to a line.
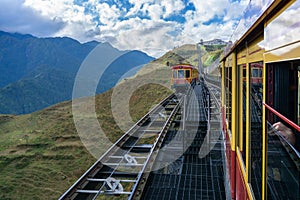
142,26
137,6
140,34
108,14
156,8
155,11
78,24
225,12
16,17
171,6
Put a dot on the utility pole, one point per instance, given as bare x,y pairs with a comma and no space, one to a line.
200,64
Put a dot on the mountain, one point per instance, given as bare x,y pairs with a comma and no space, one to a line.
215,42
20,54
131,62
39,72
30,93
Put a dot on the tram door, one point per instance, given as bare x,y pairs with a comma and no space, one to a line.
283,170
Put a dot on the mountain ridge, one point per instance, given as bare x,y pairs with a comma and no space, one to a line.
21,55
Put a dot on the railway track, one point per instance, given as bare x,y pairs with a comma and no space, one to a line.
198,171
216,139
174,151
122,170
213,118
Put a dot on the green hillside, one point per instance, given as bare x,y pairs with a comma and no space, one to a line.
212,53
41,154
188,54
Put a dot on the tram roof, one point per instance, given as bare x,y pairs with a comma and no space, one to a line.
184,66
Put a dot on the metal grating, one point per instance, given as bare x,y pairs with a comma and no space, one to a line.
198,179
189,177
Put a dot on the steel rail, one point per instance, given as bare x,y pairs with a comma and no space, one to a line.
96,167
212,93
143,175
122,158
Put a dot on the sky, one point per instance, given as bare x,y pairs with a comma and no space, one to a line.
152,26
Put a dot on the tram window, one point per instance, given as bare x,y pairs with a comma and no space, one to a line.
254,72
187,73
282,97
244,72
228,95
174,74
181,73
260,72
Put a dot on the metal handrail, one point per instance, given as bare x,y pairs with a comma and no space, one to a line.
291,123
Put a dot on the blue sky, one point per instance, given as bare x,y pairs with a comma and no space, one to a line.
152,26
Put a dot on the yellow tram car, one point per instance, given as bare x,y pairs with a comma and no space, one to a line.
184,76
261,118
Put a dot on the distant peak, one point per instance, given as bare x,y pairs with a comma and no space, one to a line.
92,43
214,42
107,44
16,35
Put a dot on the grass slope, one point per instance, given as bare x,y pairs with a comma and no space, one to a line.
41,154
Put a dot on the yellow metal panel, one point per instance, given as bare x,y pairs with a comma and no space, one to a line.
172,79
241,106
241,61
241,56
287,52
234,119
250,191
229,61
256,50
244,175
248,124
264,137
241,162
254,46
256,56
223,84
